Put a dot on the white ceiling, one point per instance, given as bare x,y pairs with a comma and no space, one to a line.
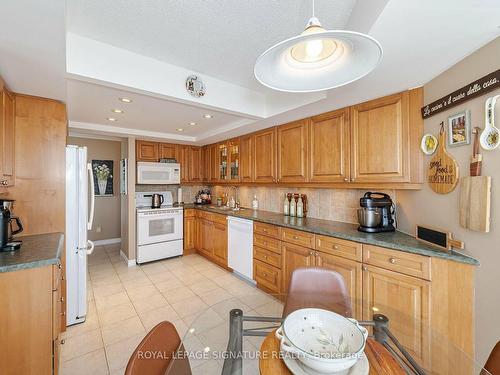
220,38
145,49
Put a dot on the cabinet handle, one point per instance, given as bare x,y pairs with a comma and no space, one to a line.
4,182
59,266
62,342
336,247
316,254
346,179
353,179
392,260
63,313
264,274
62,299
311,252
295,237
364,268
265,256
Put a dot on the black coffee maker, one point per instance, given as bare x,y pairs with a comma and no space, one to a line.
377,213
7,242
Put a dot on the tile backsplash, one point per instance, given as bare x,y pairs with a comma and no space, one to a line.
328,204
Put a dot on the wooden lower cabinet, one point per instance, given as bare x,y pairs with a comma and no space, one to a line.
405,301
30,327
267,276
211,239
295,256
351,272
190,231
220,243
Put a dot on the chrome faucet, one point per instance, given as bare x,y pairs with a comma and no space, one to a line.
237,204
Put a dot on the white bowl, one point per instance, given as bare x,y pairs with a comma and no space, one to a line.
322,340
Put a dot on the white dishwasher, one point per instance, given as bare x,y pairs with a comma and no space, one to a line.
240,246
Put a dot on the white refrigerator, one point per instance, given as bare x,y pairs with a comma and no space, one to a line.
79,217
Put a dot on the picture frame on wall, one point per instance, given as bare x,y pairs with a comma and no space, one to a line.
459,129
103,177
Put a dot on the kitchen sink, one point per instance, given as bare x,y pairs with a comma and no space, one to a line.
225,208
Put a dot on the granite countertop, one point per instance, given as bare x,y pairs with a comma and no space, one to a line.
36,251
391,240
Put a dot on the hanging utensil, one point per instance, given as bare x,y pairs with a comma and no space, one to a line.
490,137
476,159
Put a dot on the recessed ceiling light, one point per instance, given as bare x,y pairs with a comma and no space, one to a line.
180,129
126,100
208,116
111,119
192,123
116,110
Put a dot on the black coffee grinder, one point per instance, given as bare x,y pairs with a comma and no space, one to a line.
377,213
7,242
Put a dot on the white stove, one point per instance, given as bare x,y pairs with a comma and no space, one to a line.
159,230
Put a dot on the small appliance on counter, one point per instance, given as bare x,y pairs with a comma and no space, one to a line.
377,213
203,197
7,242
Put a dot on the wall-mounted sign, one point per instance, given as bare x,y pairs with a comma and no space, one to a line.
442,173
479,87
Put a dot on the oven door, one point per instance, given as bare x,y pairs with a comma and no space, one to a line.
159,226
158,173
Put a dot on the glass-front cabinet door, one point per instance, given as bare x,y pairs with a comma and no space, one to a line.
223,162
234,160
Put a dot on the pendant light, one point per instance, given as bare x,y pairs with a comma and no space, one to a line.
317,59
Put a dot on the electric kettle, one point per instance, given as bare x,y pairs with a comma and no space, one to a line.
157,200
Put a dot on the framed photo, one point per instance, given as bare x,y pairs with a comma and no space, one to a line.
459,129
103,177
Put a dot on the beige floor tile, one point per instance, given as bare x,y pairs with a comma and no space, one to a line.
256,299
273,308
152,268
91,363
161,276
240,288
149,303
181,327
227,279
153,317
111,300
215,296
79,345
210,368
192,278
118,372
203,286
223,308
203,321
190,306
142,291
179,294
107,290
214,273
168,285
122,330
91,323
106,280
136,282
115,314
119,353
216,338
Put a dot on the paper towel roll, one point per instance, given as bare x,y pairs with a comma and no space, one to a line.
179,195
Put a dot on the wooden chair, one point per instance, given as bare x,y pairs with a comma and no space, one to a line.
155,354
319,288
492,365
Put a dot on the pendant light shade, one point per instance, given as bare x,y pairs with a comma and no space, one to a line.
317,60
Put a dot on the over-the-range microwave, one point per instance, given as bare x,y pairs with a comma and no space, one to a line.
158,173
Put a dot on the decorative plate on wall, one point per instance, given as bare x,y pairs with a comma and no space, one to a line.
428,144
195,86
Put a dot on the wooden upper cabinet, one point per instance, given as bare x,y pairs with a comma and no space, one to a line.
168,151
214,163
264,152
233,147
146,151
207,170
293,151
7,113
195,160
380,140
184,162
246,158
329,147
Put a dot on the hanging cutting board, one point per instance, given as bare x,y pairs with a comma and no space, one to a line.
475,200
442,173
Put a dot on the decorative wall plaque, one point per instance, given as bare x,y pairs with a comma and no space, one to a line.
479,87
442,173
195,86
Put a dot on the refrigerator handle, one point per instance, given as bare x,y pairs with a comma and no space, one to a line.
90,247
92,197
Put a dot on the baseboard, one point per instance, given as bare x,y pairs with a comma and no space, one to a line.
107,242
130,262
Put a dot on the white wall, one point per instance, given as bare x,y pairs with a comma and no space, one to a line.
427,207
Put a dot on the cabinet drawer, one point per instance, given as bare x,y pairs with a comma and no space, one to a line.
222,219
189,213
338,247
268,243
298,237
206,215
267,276
266,229
56,276
267,256
398,261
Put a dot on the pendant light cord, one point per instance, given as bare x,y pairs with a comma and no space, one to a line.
313,7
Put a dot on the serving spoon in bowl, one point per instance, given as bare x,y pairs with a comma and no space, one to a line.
490,137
